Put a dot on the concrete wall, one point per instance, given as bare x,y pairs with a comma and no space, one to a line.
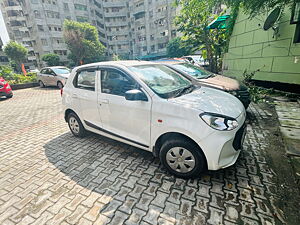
252,48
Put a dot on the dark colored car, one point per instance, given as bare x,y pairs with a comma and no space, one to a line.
5,89
206,78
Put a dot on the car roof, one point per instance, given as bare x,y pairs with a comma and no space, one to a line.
169,61
54,67
125,63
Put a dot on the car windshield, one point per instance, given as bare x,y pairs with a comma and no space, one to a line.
165,82
61,70
192,70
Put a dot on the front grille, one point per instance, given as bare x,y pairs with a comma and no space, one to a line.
237,142
243,94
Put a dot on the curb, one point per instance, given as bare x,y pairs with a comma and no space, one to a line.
23,86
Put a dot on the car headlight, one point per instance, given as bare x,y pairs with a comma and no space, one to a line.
219,122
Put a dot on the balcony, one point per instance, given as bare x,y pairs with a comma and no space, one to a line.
15,7
116,33
116,24
116,14
49,7
118,42
58,34
139,9
114,4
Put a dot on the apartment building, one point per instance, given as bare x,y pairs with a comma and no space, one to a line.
3,58
37,24
129,28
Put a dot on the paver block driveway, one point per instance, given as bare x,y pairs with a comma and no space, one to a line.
47,176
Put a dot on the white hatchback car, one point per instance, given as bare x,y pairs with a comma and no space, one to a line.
152,107
53,76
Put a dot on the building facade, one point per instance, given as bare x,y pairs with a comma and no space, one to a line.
274,53
3,58
131,29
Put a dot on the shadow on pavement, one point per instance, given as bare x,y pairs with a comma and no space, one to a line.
127,176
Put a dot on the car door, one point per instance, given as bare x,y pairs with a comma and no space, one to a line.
129,120
85,94
52,77
43,76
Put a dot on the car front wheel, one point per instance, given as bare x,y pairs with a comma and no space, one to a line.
182,158
76,126
41,84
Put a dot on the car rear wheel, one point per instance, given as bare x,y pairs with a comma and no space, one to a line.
182,158
9,96
41,84
76,126
60,85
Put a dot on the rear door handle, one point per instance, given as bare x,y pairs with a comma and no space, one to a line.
74,96
104,101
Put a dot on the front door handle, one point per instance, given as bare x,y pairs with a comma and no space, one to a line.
104,101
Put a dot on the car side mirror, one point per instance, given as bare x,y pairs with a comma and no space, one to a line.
135,95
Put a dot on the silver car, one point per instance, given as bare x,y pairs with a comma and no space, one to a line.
53,76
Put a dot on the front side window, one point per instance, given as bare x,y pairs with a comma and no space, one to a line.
115,82
86,80
192,70
164,81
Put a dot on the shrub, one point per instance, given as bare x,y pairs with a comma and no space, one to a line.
13,78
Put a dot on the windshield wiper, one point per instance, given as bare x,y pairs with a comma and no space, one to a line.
183,90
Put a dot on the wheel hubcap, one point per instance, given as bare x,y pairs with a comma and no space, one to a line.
41,83
180,159
60,86
74,125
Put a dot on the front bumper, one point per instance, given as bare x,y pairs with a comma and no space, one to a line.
222,148
243,95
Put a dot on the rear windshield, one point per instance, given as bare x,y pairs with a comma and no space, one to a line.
61,70
192,70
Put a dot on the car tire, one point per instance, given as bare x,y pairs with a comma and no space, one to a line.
9,96
76,126
182,158
42,85
60,85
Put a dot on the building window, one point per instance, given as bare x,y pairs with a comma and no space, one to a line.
82,19
66,7
40,27
80,7
44,42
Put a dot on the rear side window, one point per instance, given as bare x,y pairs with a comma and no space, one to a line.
115,82
85,79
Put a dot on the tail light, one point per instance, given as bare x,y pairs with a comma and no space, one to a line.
61,91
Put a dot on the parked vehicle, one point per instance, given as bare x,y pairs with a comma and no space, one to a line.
53,76
204,77
196,60
5,89
150,106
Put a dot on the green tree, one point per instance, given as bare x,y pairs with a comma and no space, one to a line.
255,7
195,16
17,53
51,59
177,48
116,57
83,42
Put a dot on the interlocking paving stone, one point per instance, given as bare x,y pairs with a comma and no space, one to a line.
49,176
